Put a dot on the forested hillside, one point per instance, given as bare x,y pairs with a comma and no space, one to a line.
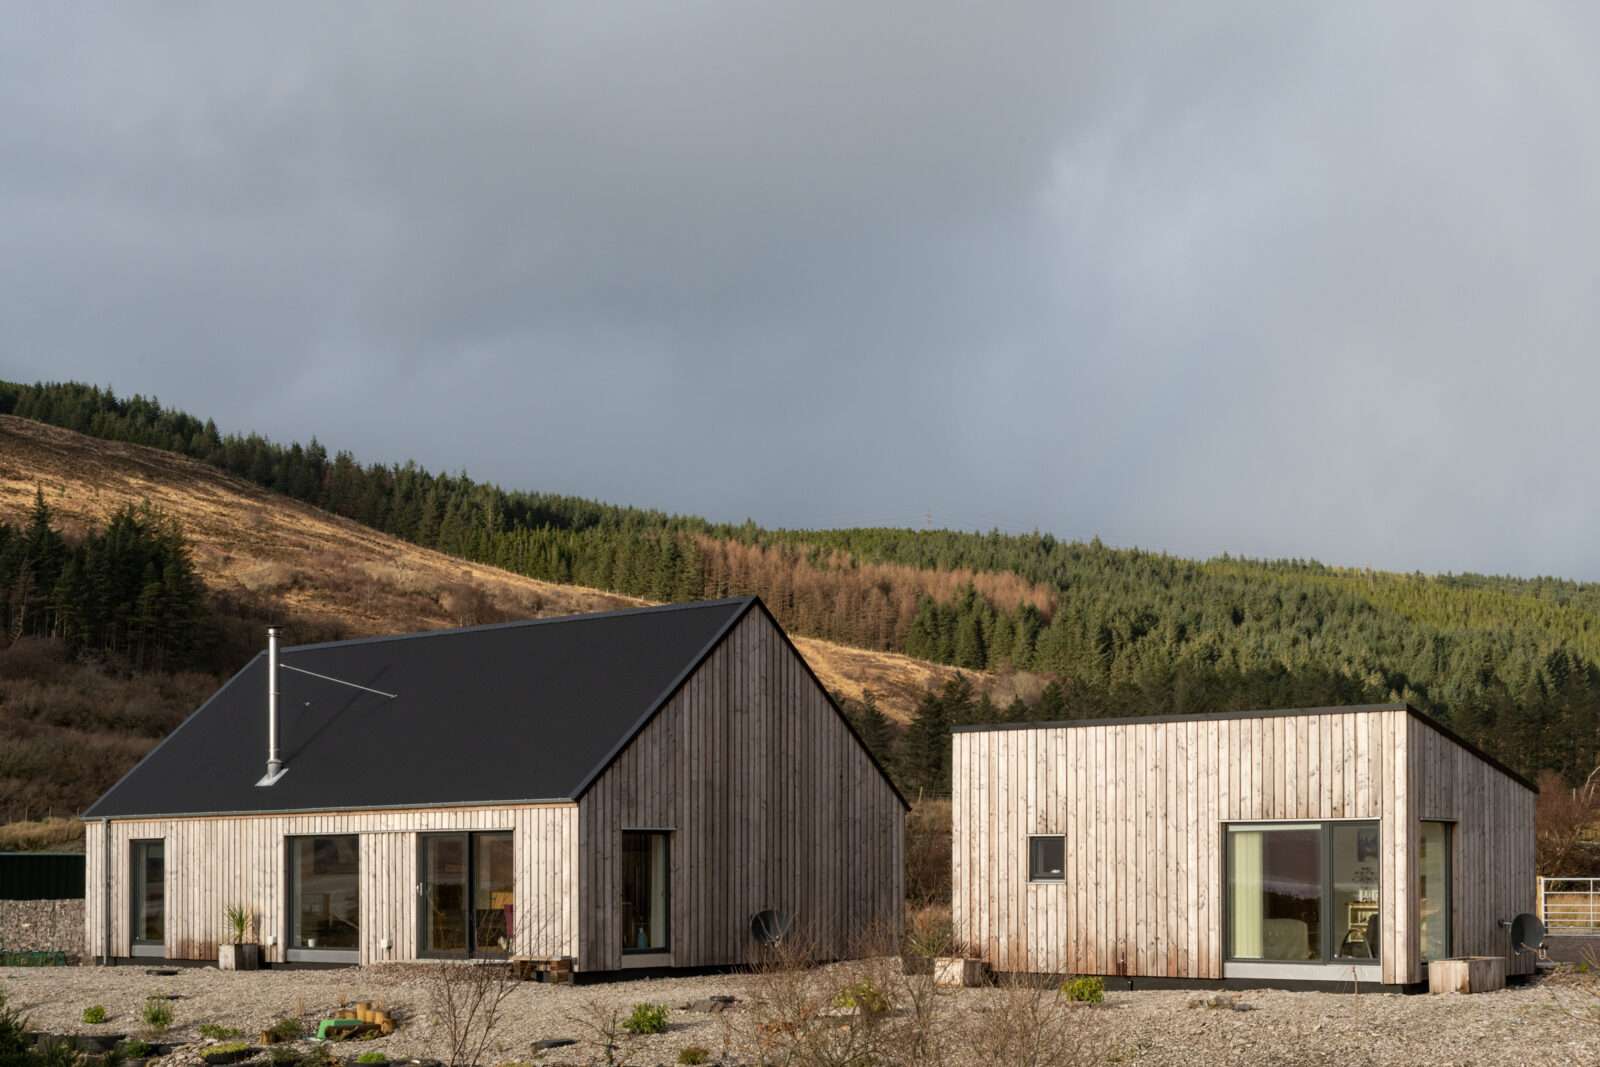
1509,662
108,640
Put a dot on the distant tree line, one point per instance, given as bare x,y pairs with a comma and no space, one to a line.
127,589
1508,662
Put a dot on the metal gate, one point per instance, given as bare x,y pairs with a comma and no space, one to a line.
1570,905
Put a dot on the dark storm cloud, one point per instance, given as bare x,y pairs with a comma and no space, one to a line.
1259,278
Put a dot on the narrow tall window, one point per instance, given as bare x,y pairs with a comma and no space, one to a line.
646,867
1433,889
1047,858
325,898
149,898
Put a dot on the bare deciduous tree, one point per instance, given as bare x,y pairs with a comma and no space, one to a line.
1563,817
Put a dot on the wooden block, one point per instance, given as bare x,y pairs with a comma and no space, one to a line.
957,971
1467,974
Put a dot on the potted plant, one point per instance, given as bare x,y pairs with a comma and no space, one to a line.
240,953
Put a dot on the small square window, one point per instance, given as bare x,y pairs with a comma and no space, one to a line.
1047,859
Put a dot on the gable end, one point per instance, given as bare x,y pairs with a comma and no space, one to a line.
699,661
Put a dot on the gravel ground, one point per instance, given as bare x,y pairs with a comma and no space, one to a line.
1555,1021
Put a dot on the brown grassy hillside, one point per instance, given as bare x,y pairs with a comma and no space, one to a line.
327,570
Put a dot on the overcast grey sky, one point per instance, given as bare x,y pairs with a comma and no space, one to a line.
1276,279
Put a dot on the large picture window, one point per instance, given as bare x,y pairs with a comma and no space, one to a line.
1302,892
325,898
466,894
646,871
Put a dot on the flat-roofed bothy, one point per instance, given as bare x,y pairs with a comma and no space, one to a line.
1345,845
624,790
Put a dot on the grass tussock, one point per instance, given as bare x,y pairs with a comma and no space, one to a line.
42,835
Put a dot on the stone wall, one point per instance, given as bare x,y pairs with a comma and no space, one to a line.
42,926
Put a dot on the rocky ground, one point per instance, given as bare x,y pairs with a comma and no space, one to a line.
1553,1021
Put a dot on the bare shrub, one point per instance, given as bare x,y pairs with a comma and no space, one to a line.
466,1001
396,577
805,1014
928,853
861,1013
602,1024
268,576
1026,1023
32,659
520,603
469,605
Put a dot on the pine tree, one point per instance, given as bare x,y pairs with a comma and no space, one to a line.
876,731
924,753
969,647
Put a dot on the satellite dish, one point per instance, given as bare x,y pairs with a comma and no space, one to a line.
1527,933
771,927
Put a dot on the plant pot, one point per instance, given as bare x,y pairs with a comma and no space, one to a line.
216,1059
239,957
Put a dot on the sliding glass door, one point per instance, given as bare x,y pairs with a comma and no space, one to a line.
493,875
149,918
466,883
1302,892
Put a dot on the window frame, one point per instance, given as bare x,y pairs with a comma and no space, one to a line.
292,953
1037,879
1325,942
665,948
472,951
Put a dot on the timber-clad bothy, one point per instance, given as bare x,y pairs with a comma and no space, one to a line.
621,790
1346,845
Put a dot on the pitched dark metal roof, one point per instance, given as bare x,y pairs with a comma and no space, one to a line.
524,711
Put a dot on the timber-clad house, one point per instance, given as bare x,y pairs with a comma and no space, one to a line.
1344,846
625,790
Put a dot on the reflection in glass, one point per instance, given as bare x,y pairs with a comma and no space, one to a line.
492,878
1355,891
324,892
444,893
1047,859
149,892
1275,892
644,892
1433,889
